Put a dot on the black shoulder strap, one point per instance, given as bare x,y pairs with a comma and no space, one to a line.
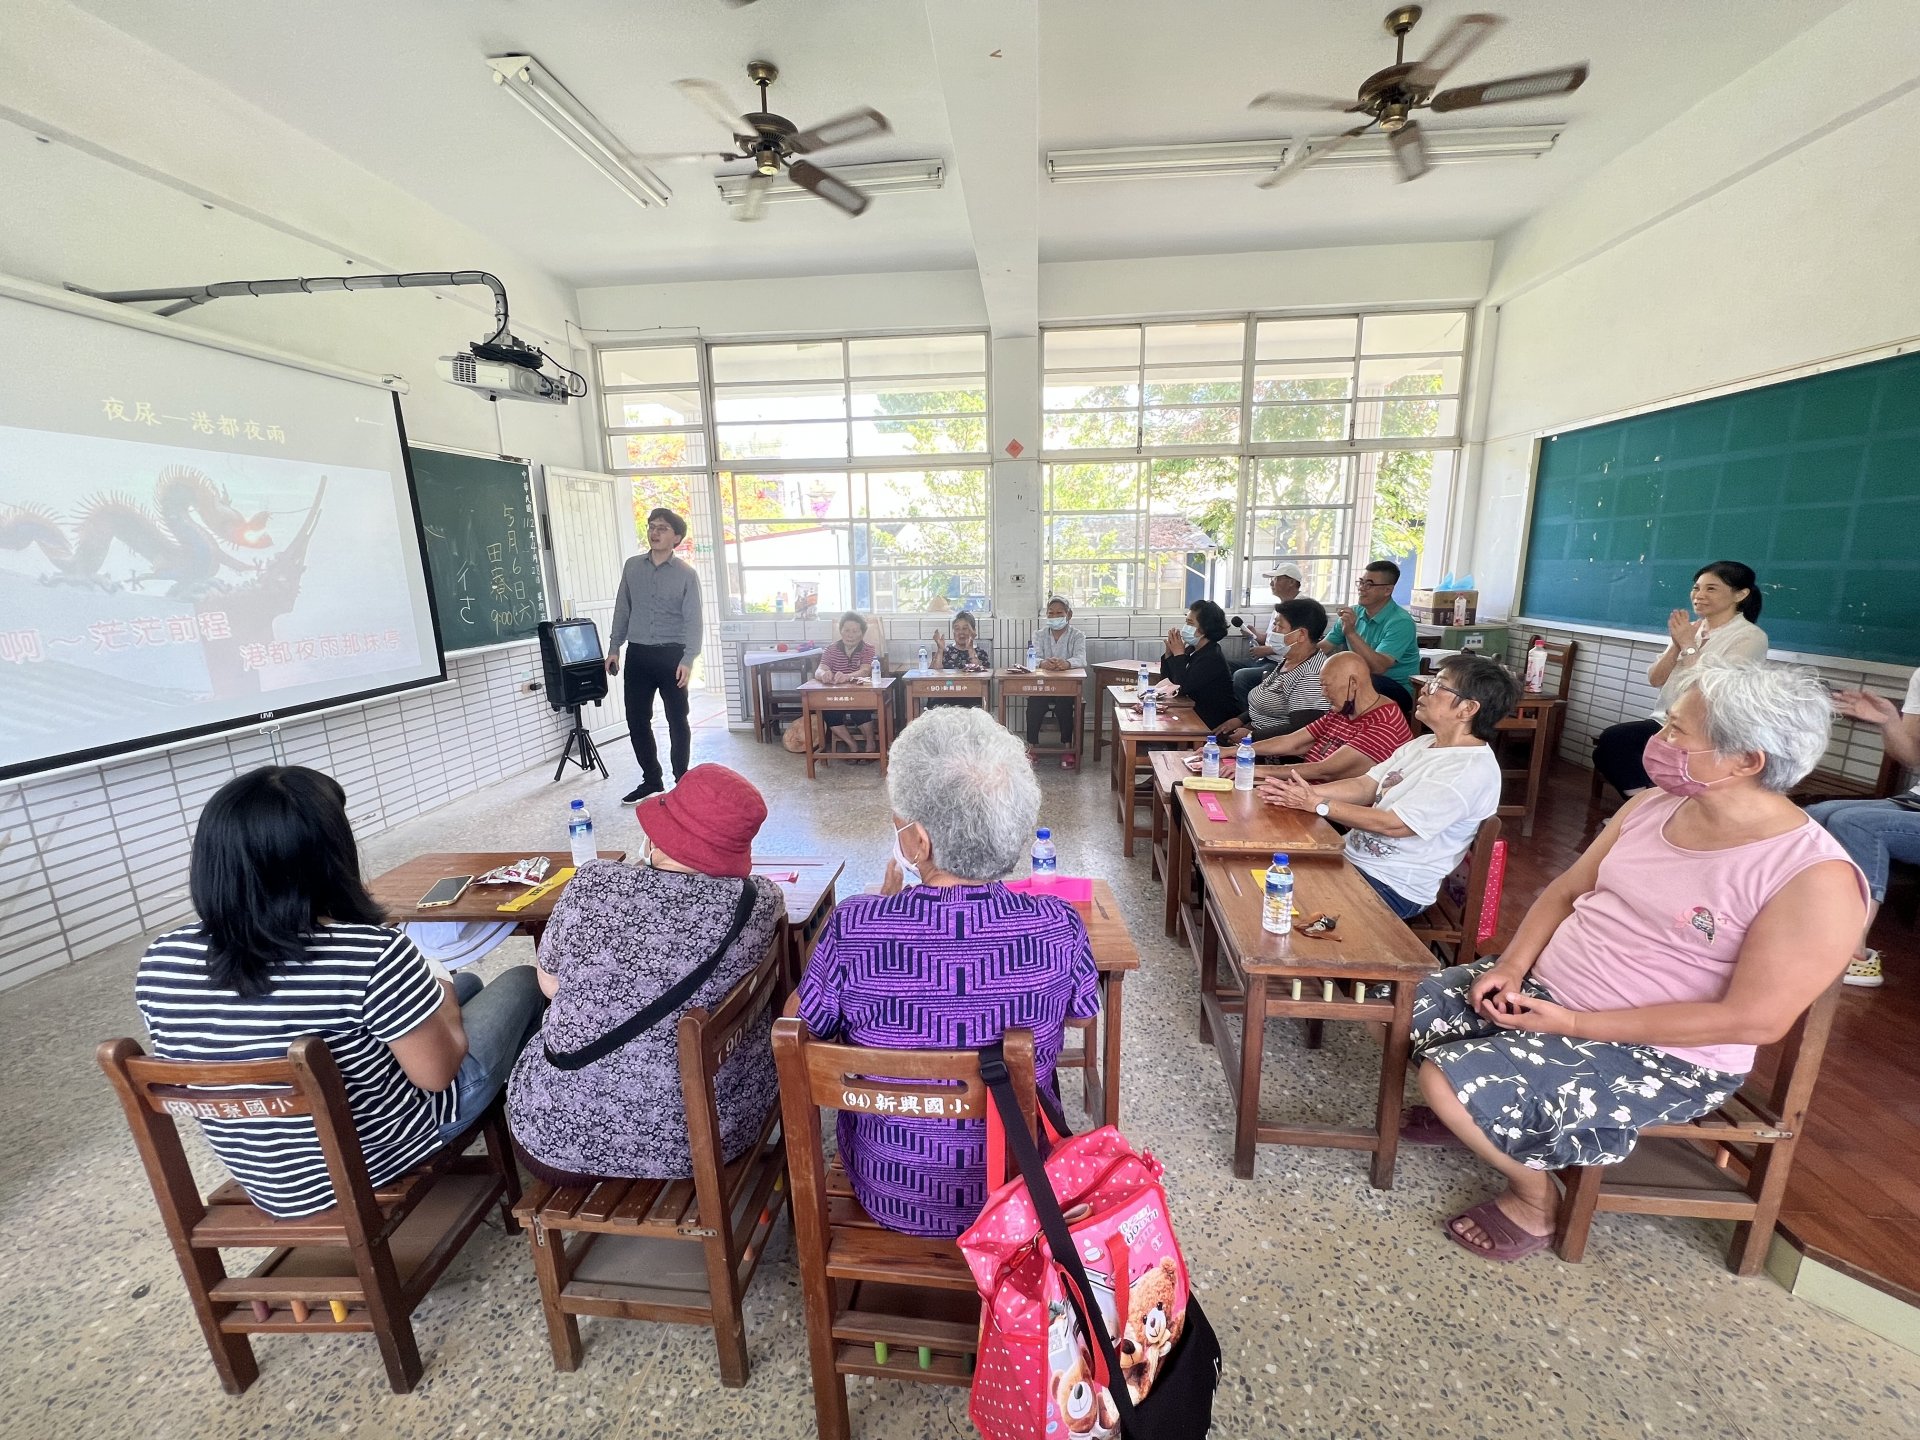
1066,1255
667,1002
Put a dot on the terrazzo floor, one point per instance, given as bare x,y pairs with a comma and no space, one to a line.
1341,1309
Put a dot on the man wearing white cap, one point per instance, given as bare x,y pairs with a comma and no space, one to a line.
1285,578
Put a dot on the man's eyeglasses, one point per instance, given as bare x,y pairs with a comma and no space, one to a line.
1374,584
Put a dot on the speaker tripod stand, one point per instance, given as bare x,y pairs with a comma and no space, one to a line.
580,750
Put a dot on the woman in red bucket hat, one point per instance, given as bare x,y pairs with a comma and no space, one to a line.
621,936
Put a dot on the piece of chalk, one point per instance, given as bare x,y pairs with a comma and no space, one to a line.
300,1310
880,1351
339,1309
262,1311
926,1357
1326,990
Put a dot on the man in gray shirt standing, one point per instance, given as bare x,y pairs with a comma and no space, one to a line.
657,618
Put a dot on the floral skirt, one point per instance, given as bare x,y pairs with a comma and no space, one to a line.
1551,1101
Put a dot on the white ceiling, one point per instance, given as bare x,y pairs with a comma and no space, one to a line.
402,90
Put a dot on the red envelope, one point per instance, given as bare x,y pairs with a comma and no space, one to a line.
1210,803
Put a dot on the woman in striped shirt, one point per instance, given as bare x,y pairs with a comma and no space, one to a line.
290,944
946,958
848,659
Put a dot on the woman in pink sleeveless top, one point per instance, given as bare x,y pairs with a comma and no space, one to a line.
1701,923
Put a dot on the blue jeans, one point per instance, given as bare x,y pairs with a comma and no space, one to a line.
1249,676
1406,909
499,1017
1875,833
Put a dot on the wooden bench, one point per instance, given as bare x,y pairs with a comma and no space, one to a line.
363,1265
680,1250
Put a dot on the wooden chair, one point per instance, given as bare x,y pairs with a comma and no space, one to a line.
1540,718
1730,1165
676,1250
1832,785
363,1265
1451,925
879,1302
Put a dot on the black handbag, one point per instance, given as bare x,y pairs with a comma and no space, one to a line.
1180,1405
669,1000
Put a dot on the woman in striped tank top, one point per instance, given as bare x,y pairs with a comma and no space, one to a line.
1706,918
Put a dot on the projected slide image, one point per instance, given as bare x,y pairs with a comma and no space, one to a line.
177,585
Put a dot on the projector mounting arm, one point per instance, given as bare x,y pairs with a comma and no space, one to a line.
502,345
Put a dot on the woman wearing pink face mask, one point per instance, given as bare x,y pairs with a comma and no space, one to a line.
1708,915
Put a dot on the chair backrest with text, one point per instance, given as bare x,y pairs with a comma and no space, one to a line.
909,1303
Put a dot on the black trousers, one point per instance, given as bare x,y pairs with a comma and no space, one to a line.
649,671
1064,712
1617,750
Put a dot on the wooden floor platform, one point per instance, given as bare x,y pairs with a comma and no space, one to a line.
1854,1200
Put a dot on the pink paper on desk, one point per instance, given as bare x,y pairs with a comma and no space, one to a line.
1211,805
780,877
1074,889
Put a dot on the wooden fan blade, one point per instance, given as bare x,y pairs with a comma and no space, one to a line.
1536,86
1456,42
1291,100
1307,154
711,98
854,125
755,202
1409,150
829,186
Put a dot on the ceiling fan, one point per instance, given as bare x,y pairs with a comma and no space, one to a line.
772,142
1389,97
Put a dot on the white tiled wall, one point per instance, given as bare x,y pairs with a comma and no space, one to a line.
1610,685
1111,635
94,857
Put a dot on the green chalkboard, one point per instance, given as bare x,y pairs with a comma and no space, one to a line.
483,547
1813,482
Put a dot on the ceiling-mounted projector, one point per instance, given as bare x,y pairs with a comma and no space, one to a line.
503,380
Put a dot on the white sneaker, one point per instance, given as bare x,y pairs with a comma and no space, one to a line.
1864,972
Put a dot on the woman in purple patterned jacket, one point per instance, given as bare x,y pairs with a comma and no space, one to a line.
947,958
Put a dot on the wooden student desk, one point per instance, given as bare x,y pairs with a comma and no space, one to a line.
1135,738
759,667
1028,686
821,699
1253,829
1107,674
973,686
398,891
810,899
1308,978
1114,957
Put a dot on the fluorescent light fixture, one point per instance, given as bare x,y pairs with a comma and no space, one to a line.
1250,157
553,105
1230,157
879,178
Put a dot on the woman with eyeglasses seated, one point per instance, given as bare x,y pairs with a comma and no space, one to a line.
1707,917
946,957
849,659
1195,669
1726,598
1411,819
288,943
621,936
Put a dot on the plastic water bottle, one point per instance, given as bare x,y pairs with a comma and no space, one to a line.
1146,679
875,675
1046,863
580,833
1210,759
1033,657
1536,666
1149,707
1243,764
923,658
1276,909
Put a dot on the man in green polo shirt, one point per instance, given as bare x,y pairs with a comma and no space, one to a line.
1380,633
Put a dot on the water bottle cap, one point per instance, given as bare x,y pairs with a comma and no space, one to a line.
1213,739
1043,833
578,805
1280,859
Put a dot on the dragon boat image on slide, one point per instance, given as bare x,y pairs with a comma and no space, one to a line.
187,539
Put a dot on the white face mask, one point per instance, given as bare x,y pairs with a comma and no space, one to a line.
909,872
1056,622
1189,634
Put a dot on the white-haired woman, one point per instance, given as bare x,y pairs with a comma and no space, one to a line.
948,957
1708,915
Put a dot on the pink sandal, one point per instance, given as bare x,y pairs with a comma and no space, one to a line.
1510,1242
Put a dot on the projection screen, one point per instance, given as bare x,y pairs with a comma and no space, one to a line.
193,540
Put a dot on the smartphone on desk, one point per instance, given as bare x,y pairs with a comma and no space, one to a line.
445,892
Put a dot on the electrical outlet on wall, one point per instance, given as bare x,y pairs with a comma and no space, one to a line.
1016,579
